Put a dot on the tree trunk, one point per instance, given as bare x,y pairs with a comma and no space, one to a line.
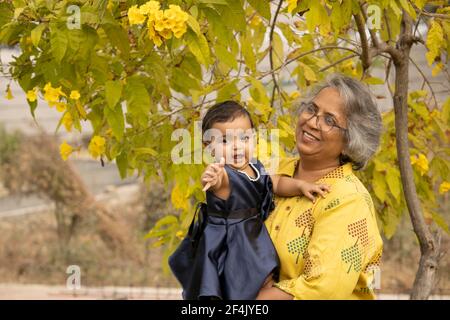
429,247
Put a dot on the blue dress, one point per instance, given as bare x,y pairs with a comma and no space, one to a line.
228,252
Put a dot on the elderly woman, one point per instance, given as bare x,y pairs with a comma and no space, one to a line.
330,248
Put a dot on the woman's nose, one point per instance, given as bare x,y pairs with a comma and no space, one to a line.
313,123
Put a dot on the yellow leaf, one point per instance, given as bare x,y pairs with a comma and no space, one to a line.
292,4
435,40
178,198
437,69
309,73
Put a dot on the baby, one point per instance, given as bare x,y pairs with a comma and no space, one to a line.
228,253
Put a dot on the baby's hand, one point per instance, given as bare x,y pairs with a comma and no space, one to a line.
310,190
213,175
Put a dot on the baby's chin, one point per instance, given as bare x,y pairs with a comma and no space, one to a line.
238,164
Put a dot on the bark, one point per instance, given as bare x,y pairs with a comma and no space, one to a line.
429,246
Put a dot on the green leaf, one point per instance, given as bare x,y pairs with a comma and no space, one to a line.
113,92
277,51
393,182
262,7
198,46
192,22
379,185
225,56
145,150
58,43
440,221
138,99
234,15
222,2
118,37
36,33
258,91
373,80
122,164
115,119
247,52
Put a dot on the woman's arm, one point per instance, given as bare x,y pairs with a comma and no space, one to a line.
342,242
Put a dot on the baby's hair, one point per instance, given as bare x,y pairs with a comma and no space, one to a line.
224,112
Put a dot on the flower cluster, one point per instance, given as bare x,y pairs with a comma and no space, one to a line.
65,150
421,162
161,24
53,96
97,146
444,187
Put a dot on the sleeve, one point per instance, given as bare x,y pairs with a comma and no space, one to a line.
286,166
336,251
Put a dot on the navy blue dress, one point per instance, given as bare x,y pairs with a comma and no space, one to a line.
228,252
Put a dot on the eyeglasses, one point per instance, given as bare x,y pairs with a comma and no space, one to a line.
325,122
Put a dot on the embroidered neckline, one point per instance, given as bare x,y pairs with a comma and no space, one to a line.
258,175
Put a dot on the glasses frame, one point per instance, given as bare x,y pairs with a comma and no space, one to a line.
316,114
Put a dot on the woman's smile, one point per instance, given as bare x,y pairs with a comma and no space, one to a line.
308,137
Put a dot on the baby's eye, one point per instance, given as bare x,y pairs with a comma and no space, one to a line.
245,138
224,140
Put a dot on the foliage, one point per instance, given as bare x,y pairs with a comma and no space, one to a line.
138,70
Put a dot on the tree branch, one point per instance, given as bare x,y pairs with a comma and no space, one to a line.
365,54
429,248
272,29
338,61
429,14
425,80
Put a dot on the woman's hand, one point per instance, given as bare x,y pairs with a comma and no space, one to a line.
310,190
212,177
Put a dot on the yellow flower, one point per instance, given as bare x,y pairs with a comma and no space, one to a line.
65,150
31,95
180,235
444,187
110,5
179,31
135,16
153,35
97,146
9,95
421,162
294,95
61,106
166,33
149,8
52,94
75,95
67,121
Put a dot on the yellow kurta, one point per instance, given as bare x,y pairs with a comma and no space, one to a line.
330,249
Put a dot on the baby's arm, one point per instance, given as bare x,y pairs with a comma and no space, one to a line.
287,187
215,179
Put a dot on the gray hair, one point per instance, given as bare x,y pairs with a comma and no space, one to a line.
363,118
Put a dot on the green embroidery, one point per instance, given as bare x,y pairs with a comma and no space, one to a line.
368,199
352,255
298,245
333,203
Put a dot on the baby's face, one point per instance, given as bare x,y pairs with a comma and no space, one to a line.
235,143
